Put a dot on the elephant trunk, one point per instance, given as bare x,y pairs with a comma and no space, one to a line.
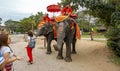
60,40
60,35
38,33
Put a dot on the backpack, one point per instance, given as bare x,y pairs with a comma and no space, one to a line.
1,58
32,42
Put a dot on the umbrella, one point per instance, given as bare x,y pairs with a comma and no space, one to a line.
53,8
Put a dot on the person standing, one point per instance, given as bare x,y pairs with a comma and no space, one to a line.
30,46
7,53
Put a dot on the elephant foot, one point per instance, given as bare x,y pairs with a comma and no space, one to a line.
74,52
59,57
48,52
68,59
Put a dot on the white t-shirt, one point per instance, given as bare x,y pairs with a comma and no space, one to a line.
6,49
28,38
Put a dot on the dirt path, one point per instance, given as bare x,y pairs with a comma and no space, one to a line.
91,56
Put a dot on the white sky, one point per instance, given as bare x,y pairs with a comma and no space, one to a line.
18,9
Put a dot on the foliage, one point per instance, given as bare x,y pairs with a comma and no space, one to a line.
12,25
115,59
32,21
83,23
113,33
74,6
97,8
24,24
38,17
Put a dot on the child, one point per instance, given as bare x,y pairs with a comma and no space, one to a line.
7,53
30,46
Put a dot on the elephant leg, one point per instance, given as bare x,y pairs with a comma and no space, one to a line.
68,52
55,46
60,52
49,40
73,46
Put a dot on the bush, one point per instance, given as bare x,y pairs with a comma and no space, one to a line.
113,34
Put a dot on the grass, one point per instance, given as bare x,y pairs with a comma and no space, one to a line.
103,41
98,35
94,36
115,59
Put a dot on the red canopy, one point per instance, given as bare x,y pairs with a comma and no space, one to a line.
53,8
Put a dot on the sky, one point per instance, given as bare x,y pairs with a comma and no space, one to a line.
19,9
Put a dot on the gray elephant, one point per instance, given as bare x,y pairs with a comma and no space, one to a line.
47,31
66,33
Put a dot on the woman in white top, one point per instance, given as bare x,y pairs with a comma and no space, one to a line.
7,53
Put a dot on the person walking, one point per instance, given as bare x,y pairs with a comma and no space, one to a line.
30,46
7,53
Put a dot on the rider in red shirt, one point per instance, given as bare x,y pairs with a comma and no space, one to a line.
46,18
66,10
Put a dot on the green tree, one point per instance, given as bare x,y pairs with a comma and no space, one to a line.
31,22
38,17
26,24
11,25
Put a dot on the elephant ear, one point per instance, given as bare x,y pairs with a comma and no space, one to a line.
49,28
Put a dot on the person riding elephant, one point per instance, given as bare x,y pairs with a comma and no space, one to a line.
66,10
46,18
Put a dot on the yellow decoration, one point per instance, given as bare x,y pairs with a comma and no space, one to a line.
60,18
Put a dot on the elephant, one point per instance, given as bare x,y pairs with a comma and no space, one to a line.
47,31
66,33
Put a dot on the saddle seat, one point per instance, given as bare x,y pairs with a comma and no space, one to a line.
60,18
